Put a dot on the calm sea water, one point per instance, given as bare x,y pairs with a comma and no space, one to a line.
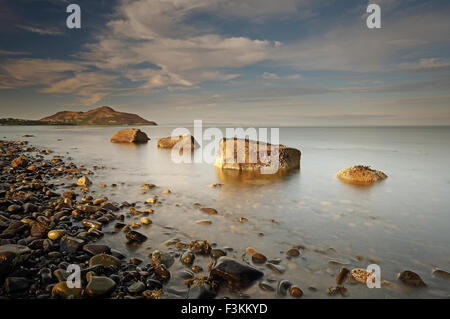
401,223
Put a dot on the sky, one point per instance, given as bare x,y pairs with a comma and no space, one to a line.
241,62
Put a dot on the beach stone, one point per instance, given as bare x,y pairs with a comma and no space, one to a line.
100,286
84,181
62,291
61,274
411,279
360,275
283,287
264,285
181,142
295,292
187,258
104,260
70,244
16,284
293,252
441,274
135,237
91,224
235,273
248,156
95,249
11,256
148,186
342,275
217,253
19,162
136,288
129,135
209,210
362,175
277,268
30,208
258,258
69,195
56,234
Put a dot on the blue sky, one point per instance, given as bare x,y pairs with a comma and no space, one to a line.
243,62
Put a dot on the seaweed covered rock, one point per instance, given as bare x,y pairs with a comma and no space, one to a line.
361,175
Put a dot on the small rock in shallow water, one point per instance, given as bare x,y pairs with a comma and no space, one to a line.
16,284
208,210
135,237
283,287
187,258
104,260
295,292
100,286
84,181
95,249
342,275
441,274
411,279
62,291
258,258
266,286
360,275
235,273
277,268
293,252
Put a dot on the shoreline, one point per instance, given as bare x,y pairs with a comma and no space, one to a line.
85,220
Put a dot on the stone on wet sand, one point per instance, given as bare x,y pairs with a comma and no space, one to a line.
84,181
360,175
209,210
70,244
16,284
100,286
62,291
256,156
360,275
411,279
96,249
136,288
277,268
181,142
259,258
104,260
187,258
235,273
295,292
129,136
135,237
11,256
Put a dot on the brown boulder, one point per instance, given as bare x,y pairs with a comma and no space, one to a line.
178,142
252,156
130,135
362,175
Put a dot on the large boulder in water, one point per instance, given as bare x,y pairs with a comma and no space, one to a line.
130,135
253,156
234,273
181,142
361,175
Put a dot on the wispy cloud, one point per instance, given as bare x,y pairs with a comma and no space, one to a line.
40,30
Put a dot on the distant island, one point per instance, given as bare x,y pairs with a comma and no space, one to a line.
104,115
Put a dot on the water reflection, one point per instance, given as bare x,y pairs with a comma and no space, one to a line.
231,176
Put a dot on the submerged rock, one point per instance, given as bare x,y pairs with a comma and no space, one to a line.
247,155
411,279
362,175
182,142
235,273
129,135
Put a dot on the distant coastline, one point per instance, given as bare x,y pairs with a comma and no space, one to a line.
102,116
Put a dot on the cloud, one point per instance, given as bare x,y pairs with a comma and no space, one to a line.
40,31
